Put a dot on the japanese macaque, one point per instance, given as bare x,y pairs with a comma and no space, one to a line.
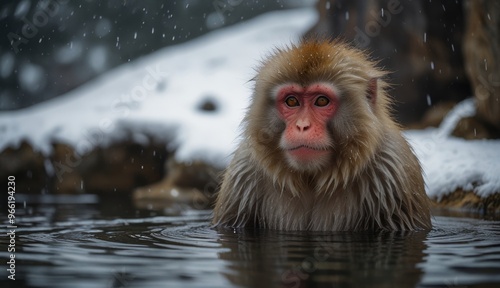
320,150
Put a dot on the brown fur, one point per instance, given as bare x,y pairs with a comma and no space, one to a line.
373,181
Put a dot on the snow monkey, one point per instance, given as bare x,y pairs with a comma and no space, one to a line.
320,151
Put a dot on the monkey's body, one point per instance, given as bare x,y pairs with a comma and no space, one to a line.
347,168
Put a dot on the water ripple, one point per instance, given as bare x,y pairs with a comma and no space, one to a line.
186,251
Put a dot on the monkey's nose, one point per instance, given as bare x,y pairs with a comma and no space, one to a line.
303,125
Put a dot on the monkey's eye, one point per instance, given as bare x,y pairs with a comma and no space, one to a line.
291,101
321,101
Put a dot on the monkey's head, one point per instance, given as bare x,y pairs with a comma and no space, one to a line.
317,106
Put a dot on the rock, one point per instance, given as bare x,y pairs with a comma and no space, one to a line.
123,167
66,164
118,168
27,166
421,41
434,116
469,201
192,184
482,58
472,128
208,105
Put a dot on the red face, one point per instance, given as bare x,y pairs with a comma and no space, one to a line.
306,111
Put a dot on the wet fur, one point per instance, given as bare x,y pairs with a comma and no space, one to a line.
373,180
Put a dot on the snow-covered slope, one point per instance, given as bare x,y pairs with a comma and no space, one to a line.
160,95
450,163
162,92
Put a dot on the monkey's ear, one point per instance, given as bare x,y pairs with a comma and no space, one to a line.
371,94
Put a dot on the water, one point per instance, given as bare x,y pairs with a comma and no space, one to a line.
103,244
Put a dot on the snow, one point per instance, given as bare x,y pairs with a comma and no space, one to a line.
22,8
68,54
6,65
450,163
159,96
31,77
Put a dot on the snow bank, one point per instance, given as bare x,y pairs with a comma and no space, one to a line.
450,163
161,94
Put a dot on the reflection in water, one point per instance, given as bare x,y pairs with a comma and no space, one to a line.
82,246
340,259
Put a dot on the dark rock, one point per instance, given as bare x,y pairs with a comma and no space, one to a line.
193,184
421,41
67,168
208,105
472,128
434,116
124,166
28,168
482,57
118,168
469,201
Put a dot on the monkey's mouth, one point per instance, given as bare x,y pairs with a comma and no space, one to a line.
307,147
306,153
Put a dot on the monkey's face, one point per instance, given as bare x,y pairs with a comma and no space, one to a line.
317,107
306,111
